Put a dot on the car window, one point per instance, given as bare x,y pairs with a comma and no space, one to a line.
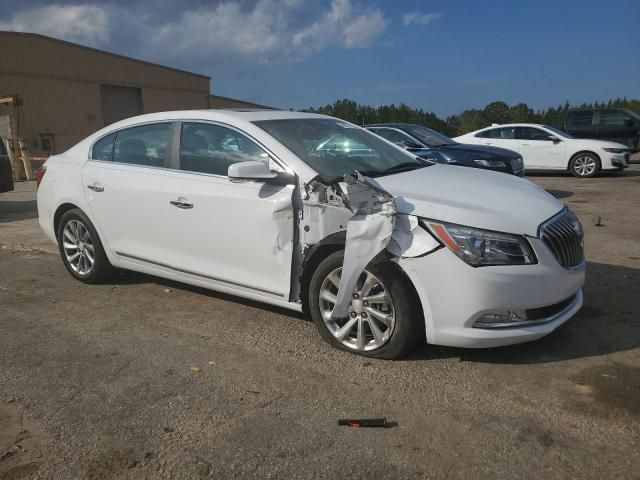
3,151
581,119
503,133
393,136
429,137
208,148
530,133
613,118
144,145
103,148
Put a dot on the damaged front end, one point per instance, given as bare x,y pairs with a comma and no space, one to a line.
363,218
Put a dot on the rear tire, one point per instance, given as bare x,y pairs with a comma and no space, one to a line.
81,249
395,302
584,165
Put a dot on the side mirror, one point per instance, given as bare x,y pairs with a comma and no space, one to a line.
256,170
553,138
628,122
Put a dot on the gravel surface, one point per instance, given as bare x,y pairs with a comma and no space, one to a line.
143,378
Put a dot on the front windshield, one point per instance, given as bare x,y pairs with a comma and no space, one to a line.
430,137
334,148
558,132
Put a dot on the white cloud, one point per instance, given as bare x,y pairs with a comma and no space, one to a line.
87,24
231,31
340,25
416,18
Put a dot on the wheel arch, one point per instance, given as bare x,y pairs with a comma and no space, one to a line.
579,152
333,243
60,211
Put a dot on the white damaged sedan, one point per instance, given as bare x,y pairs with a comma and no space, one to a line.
308,212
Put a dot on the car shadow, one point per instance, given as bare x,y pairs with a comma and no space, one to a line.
10,211
128,277
607,323
560,193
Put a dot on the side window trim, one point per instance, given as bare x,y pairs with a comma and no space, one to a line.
178,131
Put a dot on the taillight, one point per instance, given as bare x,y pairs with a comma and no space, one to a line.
40,174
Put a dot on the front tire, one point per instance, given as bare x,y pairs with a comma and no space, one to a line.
384,316
585,165
81,249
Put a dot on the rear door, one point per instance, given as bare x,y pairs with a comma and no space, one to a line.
128,185
539,151
503,137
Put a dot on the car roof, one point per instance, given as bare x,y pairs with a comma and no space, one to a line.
393,124
248,115
501,125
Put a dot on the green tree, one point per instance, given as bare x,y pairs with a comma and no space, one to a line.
497,112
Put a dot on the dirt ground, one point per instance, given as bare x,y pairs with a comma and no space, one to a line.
142,378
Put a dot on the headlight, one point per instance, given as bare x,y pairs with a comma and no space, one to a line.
517,164
481,248
614,150
490,163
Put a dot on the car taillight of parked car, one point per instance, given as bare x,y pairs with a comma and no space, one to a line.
40,174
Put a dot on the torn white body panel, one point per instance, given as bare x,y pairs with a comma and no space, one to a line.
409,239
374,226
368,233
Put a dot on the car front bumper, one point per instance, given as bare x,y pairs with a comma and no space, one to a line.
615,161
455,295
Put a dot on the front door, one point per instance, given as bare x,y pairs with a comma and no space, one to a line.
539,151
238,234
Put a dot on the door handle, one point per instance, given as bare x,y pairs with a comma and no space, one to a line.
95,187
182,203
525,144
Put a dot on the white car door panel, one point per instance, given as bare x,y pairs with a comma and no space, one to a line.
131,205
538,151
239,234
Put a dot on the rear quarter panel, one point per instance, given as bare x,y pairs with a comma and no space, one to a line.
62,184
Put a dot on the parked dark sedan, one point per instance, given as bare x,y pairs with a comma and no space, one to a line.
429,144
6,175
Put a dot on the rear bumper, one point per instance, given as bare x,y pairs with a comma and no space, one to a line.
454,296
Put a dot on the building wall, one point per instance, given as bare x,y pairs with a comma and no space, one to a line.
216,101
58,84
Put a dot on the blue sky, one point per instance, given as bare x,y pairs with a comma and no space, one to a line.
443,56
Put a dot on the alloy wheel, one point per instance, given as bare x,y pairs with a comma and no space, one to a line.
371,316
78,247
584,165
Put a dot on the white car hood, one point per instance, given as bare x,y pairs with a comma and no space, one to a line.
472,197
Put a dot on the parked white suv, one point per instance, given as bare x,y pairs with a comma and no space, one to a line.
312,213
547,148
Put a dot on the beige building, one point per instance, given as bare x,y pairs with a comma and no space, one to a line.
54,93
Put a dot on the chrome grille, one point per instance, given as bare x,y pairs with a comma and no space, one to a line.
564,237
